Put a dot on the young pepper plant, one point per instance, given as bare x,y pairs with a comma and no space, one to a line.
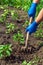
5,50
19,37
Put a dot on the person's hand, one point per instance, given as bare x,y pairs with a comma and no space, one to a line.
32,10
32,27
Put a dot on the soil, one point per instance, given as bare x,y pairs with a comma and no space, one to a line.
18,56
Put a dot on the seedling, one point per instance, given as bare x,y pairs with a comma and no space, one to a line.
24,62
3,16
33,62
5,50
26,23
40,44
19,37
3,6
39,34
14,15
10,27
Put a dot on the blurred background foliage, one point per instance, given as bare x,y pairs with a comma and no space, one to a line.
21,4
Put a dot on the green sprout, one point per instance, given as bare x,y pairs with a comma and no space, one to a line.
10,27
24,62
33,62
5,50
39,34
14,15
3,7
26,23
19,37
3,16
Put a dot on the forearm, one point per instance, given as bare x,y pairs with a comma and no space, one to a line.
40,16
36,1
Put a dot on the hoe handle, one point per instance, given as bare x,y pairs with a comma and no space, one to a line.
30,20
27,36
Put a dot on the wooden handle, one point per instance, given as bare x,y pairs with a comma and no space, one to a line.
30,20
27,36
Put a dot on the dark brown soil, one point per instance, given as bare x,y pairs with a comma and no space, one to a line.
17,55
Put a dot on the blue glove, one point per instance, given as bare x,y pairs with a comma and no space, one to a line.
32,27
32,10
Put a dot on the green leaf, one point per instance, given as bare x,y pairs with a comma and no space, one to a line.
1,55
24,63
8,53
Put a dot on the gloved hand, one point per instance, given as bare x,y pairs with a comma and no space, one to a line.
32,10
32,27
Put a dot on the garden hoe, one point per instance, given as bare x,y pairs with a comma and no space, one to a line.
27,36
